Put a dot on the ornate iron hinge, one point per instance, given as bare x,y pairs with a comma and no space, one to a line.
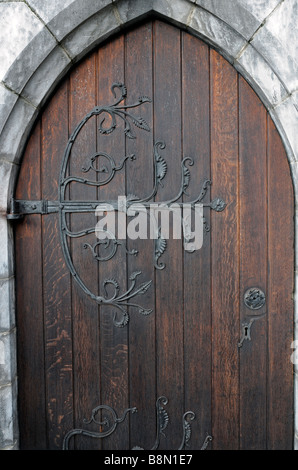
104,167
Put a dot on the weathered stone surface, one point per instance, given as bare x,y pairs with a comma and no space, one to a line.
287,115
90,33
273,43
283,25
8,416
258,8
32,56
128,10
19,25
238,17
7,304
16,131
47,10
178,10
6,252
7,173
251,64
175,10
217,32
8,367
7,101
46,76
72,16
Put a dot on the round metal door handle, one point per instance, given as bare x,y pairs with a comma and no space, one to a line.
254,298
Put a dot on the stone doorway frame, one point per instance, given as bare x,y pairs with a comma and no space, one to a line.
258,37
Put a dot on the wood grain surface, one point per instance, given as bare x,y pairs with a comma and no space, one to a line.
71,357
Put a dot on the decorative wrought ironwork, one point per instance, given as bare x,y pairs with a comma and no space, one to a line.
254,298
109,421
107,424
122,301
105,168
162,420
121,111
186,420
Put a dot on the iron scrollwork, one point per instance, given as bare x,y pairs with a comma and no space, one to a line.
104,165
109,421
123,301
105,168
162,421
107,424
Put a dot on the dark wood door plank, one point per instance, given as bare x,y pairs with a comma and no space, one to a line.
225,254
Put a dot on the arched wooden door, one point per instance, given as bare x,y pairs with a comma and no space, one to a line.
157,116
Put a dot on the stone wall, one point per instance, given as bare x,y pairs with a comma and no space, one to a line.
42,39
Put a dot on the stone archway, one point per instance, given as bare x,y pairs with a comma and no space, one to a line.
251,36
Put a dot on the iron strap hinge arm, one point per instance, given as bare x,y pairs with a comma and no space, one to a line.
19,207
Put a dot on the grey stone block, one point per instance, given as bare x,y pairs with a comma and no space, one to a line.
49,9
16,130
91,33
287,116
8,416
234,14
130,10
6,252
251,64
19,25
177,10
74,15
46,76
8,367
7,102
224,38
282,54
258,8
26,63
8,172
283,24
7,304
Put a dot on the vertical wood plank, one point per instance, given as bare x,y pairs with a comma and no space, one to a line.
280,295
32,421
57,291
225,256
85,311
142,380
253,264
114,341
169,282
197,275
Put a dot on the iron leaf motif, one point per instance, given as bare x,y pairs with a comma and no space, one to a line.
121,111
122,302
162,421
160,248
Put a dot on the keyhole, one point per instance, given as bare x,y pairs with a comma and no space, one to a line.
246,329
